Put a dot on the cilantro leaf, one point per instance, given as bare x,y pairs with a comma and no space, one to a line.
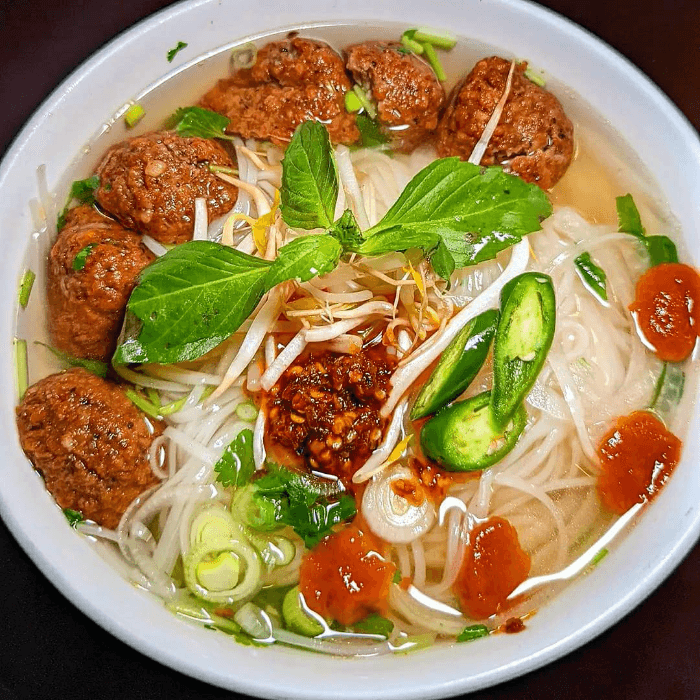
175,50
371,134
309,179
477,212
628,217
81,190
81,256
346,231
304,258
236,465
200,122
74,517
591,275
313,523
188,301
94,366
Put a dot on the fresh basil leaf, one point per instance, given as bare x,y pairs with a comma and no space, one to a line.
346,231
81,190
591,275
81,256
174,51
398,238
309,179
476,211
199,122
661,250
371,134
236,465
188,301
304,258
94,366
442,261
74,517
628,217
374,624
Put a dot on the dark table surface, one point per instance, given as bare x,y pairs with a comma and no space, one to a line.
48,649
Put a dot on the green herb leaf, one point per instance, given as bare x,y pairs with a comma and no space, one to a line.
188,301
442,261
661,250
397,577
346,231
668,390
591,275
74,517
81,257
469,634
236,465
197,121
374,624
94,366
477,212
81,190
371,134
304,258
314,523
174,51
628,217
309,179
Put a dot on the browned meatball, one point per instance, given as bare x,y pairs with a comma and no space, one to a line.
88,441
534,138
149,183
292,81
86,305
409,96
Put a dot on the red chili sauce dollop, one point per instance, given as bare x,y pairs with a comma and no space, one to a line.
494,565
345,578
637,457
666,308
325,409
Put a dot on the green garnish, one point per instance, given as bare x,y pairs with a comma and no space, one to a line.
397,578
134,115
174,51
81,190
371,134
469,634
236,465
94,366
668,390
592,276
144,404
82,255
74,517
199,122
661,250
366,101
408,41
432,58
25,287
442,40
599,557
304,258
352,102
534,77
21,369
374,624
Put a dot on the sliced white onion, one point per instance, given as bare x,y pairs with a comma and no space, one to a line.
391,516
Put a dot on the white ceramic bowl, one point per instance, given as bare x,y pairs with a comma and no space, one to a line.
96,91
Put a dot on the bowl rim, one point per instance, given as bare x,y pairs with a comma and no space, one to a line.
158,644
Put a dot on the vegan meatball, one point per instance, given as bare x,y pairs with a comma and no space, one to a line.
292,81
149,183
408,95
93,266
534,137
88,441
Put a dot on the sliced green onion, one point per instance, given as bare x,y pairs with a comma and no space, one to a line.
365,101
408,41
352,102
143,403
153,396
134,115
414,643
247,411
25,287
535,77
219,574
443,40
434,62
214,522
223,169
469,634
599,556
245,56
21,366
254,621
172,407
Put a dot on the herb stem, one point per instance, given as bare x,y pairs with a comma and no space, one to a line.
21,366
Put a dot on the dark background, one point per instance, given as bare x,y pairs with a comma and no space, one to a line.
48,649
